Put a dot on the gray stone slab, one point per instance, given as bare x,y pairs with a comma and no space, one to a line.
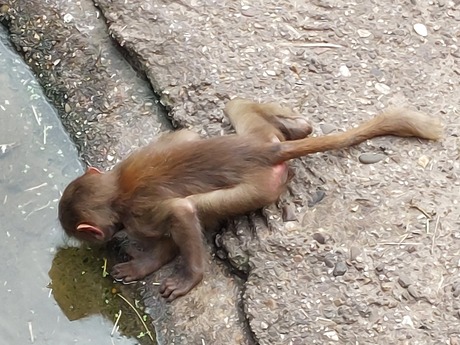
336,62
106,106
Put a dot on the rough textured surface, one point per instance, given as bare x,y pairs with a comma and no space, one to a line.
105,105
348,286
109,109
373,256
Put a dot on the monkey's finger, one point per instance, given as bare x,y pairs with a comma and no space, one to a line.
124,273
172,288
165,287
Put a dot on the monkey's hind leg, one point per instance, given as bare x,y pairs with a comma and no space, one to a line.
266,120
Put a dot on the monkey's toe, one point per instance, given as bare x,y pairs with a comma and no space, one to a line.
127,272
295,128
170,290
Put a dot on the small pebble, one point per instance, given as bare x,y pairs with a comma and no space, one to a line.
316,198
248,11
68,18
363,33
332,335
288,212
413,291
340,269
327,128
423,161
411,249
406,320
297,258
344,71
386,286
4,8
319,237
329,261
456,290
371,158
404,281
382,88
380,267
421,29
354,253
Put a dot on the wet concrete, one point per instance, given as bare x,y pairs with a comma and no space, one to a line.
107,128
37,158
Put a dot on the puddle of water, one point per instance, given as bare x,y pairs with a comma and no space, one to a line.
37,160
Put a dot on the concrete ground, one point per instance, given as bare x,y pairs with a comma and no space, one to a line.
372,255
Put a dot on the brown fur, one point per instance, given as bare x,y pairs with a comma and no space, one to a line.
164,193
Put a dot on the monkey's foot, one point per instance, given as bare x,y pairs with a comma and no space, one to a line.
177,286
135,269
293,127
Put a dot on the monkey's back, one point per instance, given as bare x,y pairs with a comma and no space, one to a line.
193,167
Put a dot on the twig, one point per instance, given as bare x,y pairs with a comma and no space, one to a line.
433,239
324,319
399,243
6,147
404,237
36,187
31,332
45,132
36,116
115,325
421,210
441,281
138,315
104,269
312,45
38,209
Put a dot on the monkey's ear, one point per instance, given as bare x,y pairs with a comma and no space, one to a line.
96,232
93,170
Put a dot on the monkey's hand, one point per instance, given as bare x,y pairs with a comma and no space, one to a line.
145,261
135,269
179,285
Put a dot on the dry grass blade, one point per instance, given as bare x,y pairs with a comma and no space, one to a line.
421,210
433,239
115,325
104,268
147,331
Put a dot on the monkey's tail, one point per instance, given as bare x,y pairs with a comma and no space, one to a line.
398,122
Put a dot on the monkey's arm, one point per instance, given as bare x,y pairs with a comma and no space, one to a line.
186,233
259,188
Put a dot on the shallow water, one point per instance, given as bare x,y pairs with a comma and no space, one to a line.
37,160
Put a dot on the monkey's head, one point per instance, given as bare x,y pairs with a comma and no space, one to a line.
85,208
